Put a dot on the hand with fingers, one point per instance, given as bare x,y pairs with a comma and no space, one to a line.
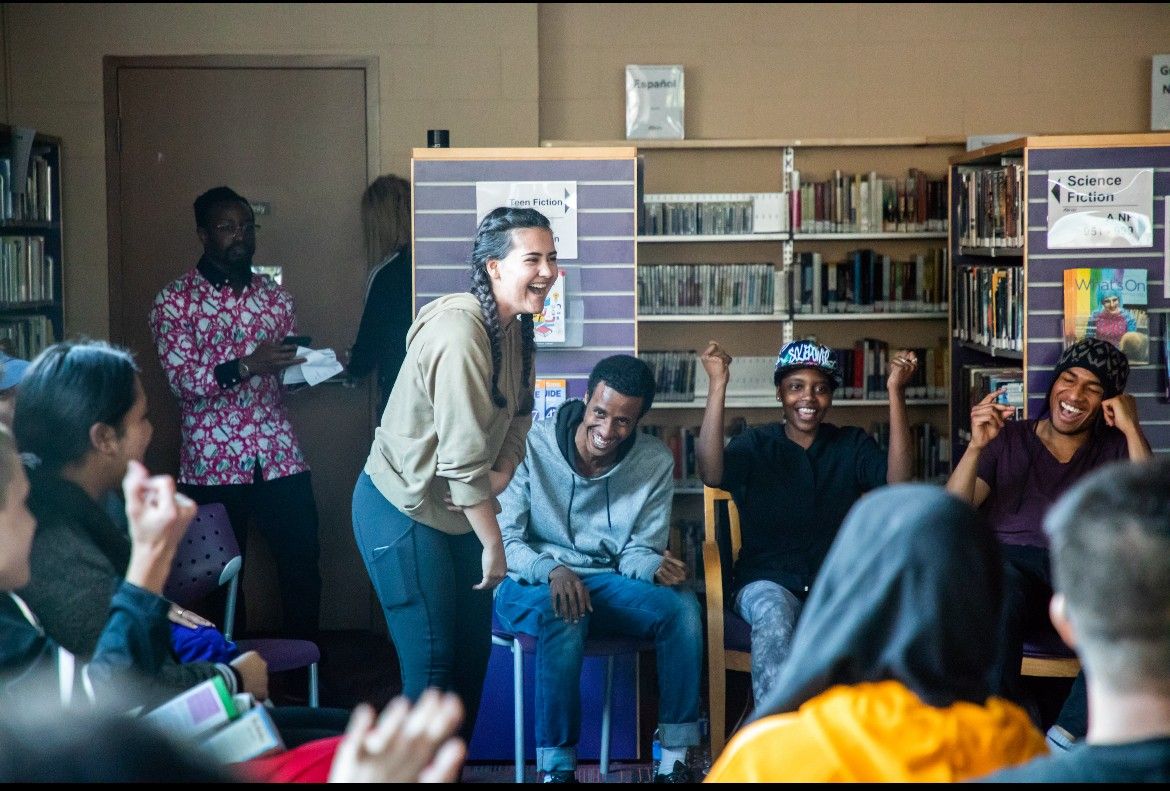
184,617
570,597
1121,412
671,572
716,362
406,744
494,564
987,419
158,517
272,358
903,366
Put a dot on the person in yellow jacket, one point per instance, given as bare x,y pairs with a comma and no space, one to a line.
888,675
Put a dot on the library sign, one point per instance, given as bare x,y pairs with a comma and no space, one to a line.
556,200
1100,208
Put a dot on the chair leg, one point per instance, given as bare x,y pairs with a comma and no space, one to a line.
606,714
314,700
518,707
717,700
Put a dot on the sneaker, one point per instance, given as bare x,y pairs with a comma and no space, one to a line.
564,776
680,774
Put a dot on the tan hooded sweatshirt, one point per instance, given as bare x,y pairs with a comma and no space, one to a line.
440,431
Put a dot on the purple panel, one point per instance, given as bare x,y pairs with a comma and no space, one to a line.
606,224
577,388
441,253
444,197
1086,158
1045,326
441,281
525,170
607,279
554,363
460,225
609,335
608,196
600,307
1048,297
621,252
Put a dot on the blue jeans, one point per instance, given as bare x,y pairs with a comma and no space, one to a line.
441,628
621,607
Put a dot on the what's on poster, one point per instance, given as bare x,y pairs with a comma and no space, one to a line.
1109,304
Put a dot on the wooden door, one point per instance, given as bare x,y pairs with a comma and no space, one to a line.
295,139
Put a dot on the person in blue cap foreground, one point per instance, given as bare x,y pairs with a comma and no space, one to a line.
793,483
11,372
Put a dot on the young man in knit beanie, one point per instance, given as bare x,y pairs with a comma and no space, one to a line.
1014,470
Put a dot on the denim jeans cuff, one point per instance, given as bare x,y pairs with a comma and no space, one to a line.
683,734
556,759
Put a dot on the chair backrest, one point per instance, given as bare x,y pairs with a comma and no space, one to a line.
208,557
712,498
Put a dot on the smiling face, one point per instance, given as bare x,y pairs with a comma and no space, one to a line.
522,279
610,418
1075,400
805,395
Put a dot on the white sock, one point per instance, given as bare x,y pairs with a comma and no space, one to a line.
669,756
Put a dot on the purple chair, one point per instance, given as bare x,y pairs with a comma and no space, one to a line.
209,557
520,644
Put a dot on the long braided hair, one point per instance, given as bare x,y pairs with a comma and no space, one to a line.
493,240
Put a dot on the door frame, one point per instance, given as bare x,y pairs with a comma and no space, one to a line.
112,64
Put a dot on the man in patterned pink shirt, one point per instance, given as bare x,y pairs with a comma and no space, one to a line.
219,330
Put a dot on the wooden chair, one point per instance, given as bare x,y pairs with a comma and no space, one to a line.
728,635
1046,656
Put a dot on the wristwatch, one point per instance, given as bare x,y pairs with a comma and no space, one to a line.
245,372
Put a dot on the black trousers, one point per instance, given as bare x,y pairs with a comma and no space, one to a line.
285,512
1027,588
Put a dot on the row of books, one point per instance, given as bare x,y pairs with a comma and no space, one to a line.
706,289
26,336
869,282
989,306
869,203
865,368
674,374
31,200
26,273
715,214
977,381
989,211
931,449
548,396
681,442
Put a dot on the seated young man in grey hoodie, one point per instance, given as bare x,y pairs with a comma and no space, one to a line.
585,522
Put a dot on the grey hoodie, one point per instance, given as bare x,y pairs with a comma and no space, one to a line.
616,522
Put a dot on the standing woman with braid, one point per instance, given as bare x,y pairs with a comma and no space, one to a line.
452,435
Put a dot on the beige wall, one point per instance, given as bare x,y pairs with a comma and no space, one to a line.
511,74
856,69
470,68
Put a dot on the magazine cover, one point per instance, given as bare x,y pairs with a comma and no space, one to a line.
1109,304
549,324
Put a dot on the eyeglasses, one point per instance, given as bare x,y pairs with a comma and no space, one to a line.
231,229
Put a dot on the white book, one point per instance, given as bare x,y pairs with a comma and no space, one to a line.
655,96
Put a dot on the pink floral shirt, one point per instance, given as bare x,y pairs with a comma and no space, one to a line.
229,426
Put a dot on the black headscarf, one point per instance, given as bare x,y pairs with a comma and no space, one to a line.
910,591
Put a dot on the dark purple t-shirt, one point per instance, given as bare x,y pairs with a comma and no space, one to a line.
1025,478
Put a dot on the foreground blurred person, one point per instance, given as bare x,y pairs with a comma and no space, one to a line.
888,675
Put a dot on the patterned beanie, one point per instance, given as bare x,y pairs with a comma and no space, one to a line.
808,354
1106,361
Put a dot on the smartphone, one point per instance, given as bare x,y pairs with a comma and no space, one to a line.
296,340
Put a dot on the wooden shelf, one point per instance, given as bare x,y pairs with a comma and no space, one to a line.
854,236
1006,354
715,237
993,252
713,317
810,142
869,316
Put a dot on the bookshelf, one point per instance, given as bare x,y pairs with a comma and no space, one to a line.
1008,255
733,167
31,282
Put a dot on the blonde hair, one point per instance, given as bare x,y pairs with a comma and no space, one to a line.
386,217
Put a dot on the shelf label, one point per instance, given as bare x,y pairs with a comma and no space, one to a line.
1100,208
556,200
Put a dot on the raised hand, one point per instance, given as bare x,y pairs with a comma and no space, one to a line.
406,745
716,362
903,364
1121,412
987,419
